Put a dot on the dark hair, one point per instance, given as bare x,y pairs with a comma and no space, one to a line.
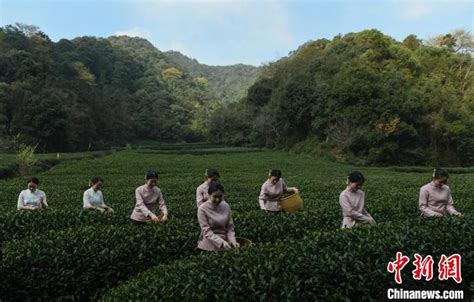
212,173
33,179
151,174
439,173
356,176
214,187
274,172
96,179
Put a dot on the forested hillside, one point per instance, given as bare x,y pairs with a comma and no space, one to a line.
229,83
363,95
90,91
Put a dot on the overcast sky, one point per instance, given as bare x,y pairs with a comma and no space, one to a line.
228,32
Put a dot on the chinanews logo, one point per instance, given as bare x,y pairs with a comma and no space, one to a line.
448,268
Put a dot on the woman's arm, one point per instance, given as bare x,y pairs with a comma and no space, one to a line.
263,197
86,201
287,189
230,230
162,205
199,196
43,202
450,206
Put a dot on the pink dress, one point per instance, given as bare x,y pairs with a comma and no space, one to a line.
270,195
434,201
202,194
216,226
147,201
353,208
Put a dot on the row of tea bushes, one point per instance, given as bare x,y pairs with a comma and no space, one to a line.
343,265
84,261
70,254
81,263
24,224
20,224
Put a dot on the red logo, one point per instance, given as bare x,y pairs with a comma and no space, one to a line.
423,267
448,267
397,266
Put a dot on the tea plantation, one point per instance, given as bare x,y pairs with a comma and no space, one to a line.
69,254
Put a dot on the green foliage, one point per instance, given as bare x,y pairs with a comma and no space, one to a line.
80,255
172,73
10,164
349,91
83,73
92,91
228,83
26,158
8,170
326,266
81,262
99,92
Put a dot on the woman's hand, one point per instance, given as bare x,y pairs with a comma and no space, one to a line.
458,214
236,245
109,210
154,218
226,245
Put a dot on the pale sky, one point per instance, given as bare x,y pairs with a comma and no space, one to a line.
223,32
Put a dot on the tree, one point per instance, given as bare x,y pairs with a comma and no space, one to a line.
459,40
172,73
412,42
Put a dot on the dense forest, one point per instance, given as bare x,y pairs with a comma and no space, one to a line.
360,96
94,92
229,83
364,97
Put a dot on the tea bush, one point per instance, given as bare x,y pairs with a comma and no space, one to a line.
66,253
324,266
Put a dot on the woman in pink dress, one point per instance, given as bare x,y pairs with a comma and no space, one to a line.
215,219
201,192
148,199
352,201
435,197
272,191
